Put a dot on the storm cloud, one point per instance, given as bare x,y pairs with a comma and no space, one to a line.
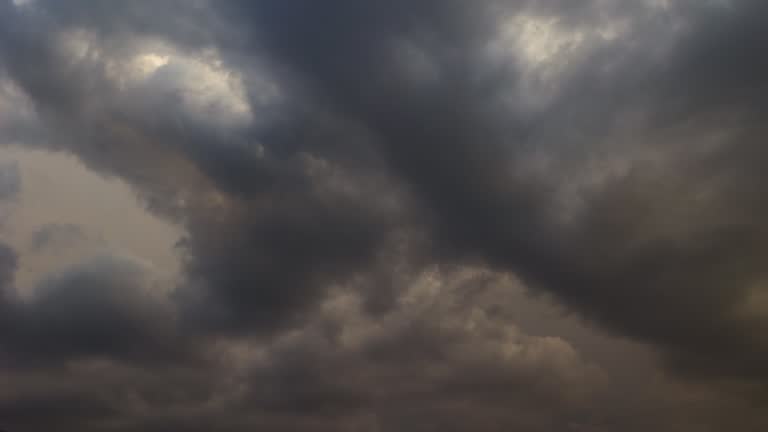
397,216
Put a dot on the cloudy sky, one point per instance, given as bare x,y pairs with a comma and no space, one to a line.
383,216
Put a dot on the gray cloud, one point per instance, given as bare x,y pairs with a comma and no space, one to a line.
456,147
102,308
607,154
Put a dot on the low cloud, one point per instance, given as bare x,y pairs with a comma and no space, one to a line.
361,186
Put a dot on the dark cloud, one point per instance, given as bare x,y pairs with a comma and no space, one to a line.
433,359
8,264
268,230
609,155
39,411
457,149
102,308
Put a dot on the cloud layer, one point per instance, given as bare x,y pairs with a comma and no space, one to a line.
400,216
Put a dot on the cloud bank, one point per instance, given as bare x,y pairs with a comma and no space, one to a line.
397,216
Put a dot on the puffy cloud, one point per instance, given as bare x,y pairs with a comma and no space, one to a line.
338,169
104,307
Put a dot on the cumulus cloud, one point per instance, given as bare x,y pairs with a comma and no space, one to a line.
104,307
358,183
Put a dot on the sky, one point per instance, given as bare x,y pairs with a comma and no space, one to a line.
370,216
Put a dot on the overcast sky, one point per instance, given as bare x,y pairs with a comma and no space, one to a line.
383,216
